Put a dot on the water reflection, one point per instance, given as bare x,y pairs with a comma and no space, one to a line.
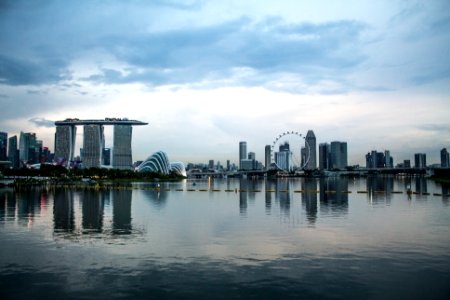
122,212
380,189
333,196
63,211
309,200
92,211
243,192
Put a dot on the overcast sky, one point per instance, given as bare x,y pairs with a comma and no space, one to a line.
208,74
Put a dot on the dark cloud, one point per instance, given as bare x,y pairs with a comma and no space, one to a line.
42,122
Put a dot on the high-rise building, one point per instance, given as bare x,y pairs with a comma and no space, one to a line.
65,144
3,146
267,156
311,140
92,145
242,152
211,164
251,155
445,158
388,161
283,157
338,155
324,156
13,152
27,147
420,160
122,157
303,157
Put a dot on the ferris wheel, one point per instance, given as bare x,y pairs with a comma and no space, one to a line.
286,161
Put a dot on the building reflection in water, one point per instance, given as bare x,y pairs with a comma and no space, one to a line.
157,198
8,200
270,186
379,189
63,212
243,187
92,210
421,184
309,199
283,196
333,195
122,211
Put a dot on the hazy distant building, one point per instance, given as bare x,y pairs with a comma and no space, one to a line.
65,144
247,164
267,156
93,137
445,158
303,157
13,152
388,160
407,163
420,160
251,155
211,164
122,158
324,156
311,140
3,146
338,155
242,152
27,146
283,157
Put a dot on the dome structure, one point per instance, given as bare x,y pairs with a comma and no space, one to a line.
158,162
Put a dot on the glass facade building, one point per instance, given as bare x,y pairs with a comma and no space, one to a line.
122,158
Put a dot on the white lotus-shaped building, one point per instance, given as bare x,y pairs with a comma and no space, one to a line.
158,162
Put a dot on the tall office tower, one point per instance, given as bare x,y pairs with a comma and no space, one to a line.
267,156
13,152
242,152
27,146
338,155
122,158
311,140
420,160
211,164
445,158
387,159
3,146
283,157
303,157
324,156
65,144
251,155
92,146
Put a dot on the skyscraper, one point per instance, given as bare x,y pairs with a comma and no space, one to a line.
27,146
65,144
92,146
267,156
338,155
420,160
3,146
445,158
324,156
13,152
311,140
283,157
122,157
242,152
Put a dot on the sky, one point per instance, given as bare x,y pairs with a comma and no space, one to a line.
207,74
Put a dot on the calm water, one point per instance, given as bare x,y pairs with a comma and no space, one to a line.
283,244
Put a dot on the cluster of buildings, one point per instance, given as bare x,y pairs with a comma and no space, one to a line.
384,160
331,156
94,154
25,150
30,151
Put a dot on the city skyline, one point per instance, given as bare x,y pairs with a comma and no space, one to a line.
207,75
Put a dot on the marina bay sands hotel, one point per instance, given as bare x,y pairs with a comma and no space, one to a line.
94,142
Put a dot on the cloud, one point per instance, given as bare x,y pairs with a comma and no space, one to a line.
42,122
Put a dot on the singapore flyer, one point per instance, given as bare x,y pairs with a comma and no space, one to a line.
287,153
